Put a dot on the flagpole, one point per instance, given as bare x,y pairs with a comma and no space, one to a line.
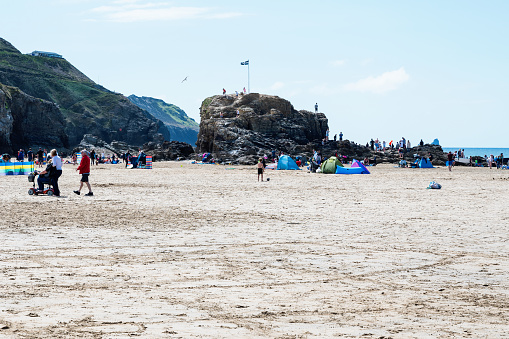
248,89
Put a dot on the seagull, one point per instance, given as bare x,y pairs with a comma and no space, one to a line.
184,80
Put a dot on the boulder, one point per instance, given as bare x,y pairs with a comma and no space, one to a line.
264,123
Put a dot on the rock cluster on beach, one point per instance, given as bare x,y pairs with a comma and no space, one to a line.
263,123
162,150
168,150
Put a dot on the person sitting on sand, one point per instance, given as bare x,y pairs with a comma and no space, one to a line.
260,168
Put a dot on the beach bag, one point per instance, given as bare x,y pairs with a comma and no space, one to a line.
434,185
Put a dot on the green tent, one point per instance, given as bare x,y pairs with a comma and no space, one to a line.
329,165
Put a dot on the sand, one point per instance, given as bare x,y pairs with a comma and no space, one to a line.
206,251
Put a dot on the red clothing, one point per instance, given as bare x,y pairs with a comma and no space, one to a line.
84,166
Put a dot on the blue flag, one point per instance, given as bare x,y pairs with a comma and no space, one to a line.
245,63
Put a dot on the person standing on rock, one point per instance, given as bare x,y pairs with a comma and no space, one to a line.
316,108
84,170
224,92
340,136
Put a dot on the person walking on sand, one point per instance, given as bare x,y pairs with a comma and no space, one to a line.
450,159
84,170
40,157
260,168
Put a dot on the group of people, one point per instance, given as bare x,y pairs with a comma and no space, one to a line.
53,169
96,158
51,173
336,138
39,157
236,92
497,161
402,145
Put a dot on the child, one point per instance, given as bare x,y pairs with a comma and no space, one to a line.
260,168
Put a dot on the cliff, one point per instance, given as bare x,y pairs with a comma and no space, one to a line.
264,123
181,126
25,120
86,106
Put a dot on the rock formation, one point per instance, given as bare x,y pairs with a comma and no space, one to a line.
25,120
264,123
168,150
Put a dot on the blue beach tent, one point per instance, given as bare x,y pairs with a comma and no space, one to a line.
286,163
424,163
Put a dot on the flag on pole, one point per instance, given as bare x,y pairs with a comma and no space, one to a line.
245,63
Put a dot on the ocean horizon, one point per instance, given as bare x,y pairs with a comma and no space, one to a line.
481,151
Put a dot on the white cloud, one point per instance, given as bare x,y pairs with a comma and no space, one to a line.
136,11
277,85
337,63
386,82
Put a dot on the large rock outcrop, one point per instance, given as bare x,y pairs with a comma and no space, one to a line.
264,123
25,120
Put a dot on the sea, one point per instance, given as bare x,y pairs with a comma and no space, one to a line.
481,152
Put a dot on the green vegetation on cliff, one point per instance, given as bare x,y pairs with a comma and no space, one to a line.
181,126
86,106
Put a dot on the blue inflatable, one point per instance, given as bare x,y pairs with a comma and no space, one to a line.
349,170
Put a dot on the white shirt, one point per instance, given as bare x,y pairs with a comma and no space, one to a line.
57,162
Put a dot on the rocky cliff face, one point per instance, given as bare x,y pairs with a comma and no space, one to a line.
180,125
264,123
25,120
86,106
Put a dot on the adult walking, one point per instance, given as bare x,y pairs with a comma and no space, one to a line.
84,170
57,163
30,155
40,157
450,160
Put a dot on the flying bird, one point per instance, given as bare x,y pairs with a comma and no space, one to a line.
184,80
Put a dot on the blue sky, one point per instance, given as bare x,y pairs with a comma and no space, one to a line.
386,69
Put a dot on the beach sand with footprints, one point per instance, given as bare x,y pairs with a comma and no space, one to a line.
206,251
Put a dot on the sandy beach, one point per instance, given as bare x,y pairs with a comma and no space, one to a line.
206,251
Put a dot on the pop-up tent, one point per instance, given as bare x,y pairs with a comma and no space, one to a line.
424,163
357,163
329,165
356,168
287,163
